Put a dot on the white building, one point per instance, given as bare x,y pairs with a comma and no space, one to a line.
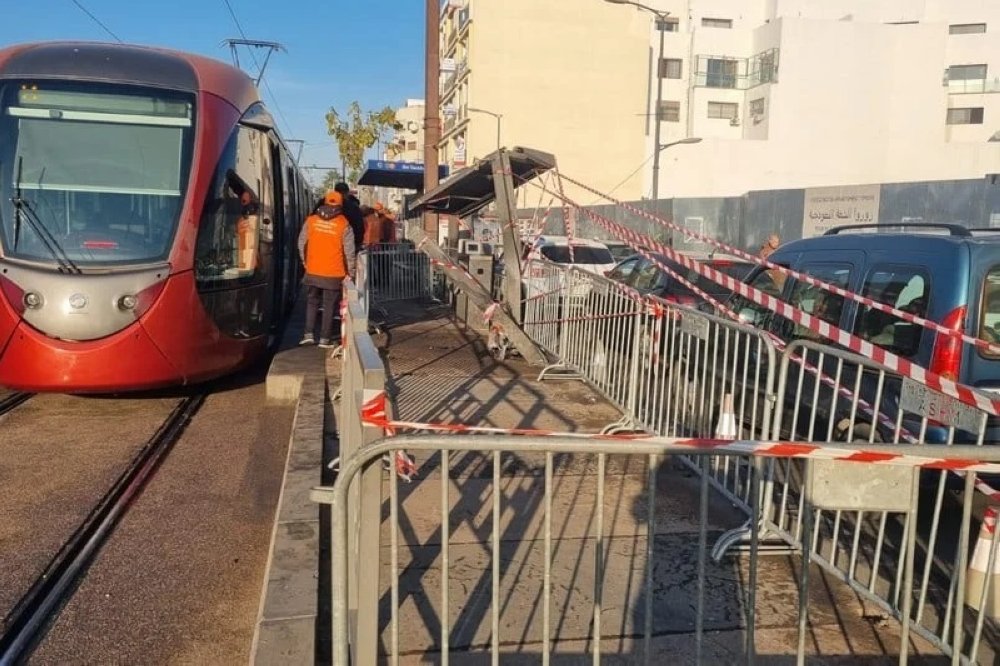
800,93
407,144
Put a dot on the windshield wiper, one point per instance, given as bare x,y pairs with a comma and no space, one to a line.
23,210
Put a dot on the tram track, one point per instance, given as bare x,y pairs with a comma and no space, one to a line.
13,400
26,624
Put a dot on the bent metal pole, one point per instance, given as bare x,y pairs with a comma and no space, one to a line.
432,121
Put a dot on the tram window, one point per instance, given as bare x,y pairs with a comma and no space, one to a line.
104,169
228,246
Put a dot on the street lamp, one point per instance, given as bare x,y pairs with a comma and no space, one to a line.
691,139
662,24
498,116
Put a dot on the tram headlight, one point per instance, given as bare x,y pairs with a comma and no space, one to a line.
32,300
127,302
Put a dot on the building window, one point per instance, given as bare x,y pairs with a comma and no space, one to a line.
968,116
721,73
967,29
725,110
670,111
716,23
411,145
757,107
671,68
967,73
669,24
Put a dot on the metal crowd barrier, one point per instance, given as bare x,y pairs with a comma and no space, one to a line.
362,371
674,371
542,296
910,535
395,272
670,369
436,605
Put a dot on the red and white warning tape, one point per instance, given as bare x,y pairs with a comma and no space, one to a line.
637,242
802,277
373,415
895,363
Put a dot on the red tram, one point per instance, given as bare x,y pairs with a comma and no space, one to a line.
148,219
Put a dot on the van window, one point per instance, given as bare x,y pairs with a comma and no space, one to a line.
748,311
989,321
904,288
816,301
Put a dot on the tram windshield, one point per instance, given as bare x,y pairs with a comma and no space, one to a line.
91,174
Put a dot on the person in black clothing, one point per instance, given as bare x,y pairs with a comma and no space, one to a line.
352,211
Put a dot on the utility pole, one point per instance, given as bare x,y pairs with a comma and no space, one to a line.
661,25
432,122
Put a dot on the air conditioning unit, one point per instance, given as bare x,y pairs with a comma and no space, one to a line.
735,122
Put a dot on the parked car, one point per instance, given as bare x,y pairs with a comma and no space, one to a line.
951,278
649,279
588,255
619,249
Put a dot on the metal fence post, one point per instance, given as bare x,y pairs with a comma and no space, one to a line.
369,527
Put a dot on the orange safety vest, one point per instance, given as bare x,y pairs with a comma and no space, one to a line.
373,230
388,228
325,246
246,230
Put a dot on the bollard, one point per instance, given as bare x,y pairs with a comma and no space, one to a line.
726,427
978,576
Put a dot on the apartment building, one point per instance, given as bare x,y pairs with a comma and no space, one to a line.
800,93
564,76
407,143
782,93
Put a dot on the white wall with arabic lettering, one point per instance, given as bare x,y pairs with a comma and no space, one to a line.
829,207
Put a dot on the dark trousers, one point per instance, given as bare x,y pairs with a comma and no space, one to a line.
331,308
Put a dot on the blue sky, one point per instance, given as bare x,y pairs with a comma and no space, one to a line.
338,50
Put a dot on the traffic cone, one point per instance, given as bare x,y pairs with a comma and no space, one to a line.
726,427
977,576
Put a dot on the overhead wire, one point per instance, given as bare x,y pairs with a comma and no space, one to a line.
626,178
267,86
97,21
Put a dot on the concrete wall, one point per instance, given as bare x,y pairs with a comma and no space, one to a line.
745,221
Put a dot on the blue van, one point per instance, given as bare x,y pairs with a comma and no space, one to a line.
945,273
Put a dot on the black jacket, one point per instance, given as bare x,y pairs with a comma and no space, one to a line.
352,211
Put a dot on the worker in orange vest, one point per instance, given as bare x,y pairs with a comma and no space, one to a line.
373,227
388,223
326,246
246,234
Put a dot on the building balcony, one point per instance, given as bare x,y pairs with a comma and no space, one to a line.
449,6
972,86
451,75
453,118
736,73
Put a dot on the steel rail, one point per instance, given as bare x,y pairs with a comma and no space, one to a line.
27,623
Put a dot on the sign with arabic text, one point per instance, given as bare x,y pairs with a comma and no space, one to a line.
829,207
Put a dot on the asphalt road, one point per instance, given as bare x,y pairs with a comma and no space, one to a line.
58,456
180,579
